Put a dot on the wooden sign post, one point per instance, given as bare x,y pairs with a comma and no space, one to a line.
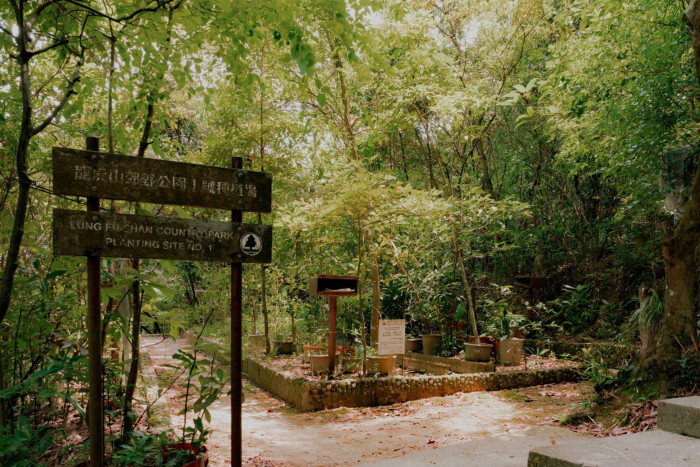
333,287
98,234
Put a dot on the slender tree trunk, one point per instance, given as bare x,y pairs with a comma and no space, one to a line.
3,421
468,291
486,183
135,351
679,332
376,302
25,135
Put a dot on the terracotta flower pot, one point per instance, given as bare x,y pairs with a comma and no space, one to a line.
381,364
477,352
319,363
510,351
346,350
310,350
431,343
284,347
413,345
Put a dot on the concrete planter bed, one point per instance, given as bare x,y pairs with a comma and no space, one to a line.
308,396
311,393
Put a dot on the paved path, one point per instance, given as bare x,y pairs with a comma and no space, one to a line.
275,432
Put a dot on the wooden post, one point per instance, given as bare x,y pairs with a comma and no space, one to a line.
236,343
332,312
94,326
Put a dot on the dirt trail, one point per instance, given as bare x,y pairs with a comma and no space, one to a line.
275,432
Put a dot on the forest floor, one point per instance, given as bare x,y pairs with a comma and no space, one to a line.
276,434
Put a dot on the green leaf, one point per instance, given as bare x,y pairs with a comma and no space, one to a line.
321,98
56,273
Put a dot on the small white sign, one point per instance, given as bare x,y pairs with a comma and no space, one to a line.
392,336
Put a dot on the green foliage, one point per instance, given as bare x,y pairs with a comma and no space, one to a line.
23,445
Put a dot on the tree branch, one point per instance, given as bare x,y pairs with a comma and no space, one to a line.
70,90
48,47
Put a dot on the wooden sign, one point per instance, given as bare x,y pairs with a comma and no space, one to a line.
112,176
80,233
392,337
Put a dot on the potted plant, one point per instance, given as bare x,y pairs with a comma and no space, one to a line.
510,349
283,345
413,344
477,351
379,364
319,363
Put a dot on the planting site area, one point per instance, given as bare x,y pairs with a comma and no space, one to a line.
276,434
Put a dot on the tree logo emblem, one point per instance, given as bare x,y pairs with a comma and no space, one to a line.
251,243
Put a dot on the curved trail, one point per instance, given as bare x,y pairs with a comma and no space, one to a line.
275,432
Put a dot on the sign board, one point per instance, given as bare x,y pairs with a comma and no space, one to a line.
81,233
112,176
392,336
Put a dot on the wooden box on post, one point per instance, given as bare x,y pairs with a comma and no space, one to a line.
333,287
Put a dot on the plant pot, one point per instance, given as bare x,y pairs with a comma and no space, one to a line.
483,339
431,343
284,347
346,350
383,364
310,350
413,345
171,451
510,351
477,352
319,363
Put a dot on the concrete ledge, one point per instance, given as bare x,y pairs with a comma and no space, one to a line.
308,396
451,364
653,448
368,392
419,365
680,415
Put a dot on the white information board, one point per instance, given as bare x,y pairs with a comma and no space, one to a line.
392,336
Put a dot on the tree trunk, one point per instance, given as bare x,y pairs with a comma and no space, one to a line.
25,135
376,303
678,331
134,367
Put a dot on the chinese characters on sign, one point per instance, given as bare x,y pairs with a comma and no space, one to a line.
131,178
112,176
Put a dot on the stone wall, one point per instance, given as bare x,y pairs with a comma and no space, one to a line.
308,396
368,392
